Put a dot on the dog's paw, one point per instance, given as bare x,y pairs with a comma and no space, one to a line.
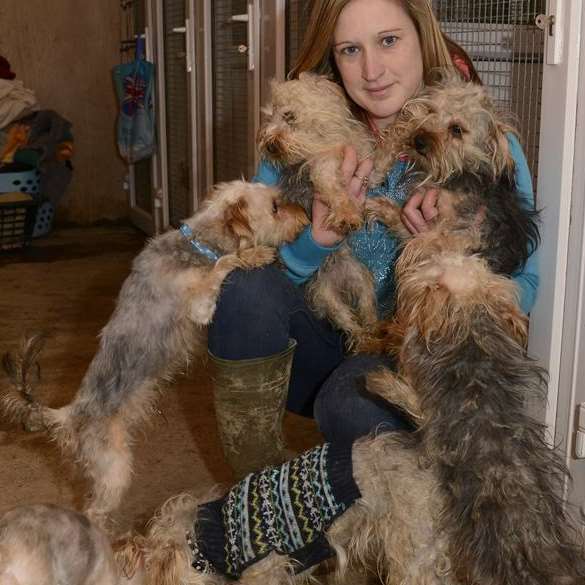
345,219
382,209
257,256
388,213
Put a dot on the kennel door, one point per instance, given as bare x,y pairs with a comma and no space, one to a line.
235,69
177,124
247,50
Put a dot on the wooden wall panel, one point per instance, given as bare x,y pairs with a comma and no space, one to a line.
64,50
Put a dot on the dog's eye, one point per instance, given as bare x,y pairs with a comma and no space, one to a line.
274,207
456,130
289,117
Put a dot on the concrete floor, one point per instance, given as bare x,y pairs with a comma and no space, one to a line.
67,283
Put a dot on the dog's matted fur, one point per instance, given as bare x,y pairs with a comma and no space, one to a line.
307,125
463,372
158,323
43,544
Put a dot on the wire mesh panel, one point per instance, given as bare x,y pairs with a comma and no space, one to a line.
230,91
177,112
507,50
297,16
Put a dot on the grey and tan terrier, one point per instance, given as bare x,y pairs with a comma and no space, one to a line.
307,126
459,338
159,322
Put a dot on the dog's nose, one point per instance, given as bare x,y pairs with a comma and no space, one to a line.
421,144
272,147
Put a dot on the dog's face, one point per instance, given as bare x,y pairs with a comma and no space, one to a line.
254,213
306,115
451,128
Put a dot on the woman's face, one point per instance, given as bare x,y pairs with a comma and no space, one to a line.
378,55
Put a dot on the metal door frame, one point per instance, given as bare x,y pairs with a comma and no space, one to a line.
556,168
557,323
162,190
149,223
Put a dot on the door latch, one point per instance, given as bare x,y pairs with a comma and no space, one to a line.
552,25
545,22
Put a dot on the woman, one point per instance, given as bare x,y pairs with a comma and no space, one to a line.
381,52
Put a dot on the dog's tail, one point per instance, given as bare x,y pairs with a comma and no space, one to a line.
505,514
16,399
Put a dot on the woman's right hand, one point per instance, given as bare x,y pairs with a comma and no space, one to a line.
352,172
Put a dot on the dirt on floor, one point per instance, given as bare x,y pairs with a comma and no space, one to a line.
67,283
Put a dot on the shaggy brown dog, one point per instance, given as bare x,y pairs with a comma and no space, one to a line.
158,323
464,375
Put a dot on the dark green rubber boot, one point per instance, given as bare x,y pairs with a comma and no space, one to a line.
250,397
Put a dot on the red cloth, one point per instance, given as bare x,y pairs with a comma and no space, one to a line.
5,71
462,66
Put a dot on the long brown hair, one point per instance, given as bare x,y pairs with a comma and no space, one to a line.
316,54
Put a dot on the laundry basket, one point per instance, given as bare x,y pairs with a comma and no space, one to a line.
19,177
17,220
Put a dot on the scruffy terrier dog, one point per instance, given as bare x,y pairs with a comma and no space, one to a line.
47,545
307,126
158,323
464,377
459,336
455,140
371,506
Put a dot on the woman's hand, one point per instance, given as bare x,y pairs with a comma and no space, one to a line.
352,173
419,210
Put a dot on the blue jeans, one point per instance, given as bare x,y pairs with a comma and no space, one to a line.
258,311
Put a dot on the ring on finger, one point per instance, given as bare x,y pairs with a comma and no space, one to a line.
364,180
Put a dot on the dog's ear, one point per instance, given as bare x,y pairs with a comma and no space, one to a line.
237,223
323,84
445,76
332,88
502,161
437,76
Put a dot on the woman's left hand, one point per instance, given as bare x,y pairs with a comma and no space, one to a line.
420,210
354,173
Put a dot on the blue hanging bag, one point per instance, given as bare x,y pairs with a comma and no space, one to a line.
134,84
